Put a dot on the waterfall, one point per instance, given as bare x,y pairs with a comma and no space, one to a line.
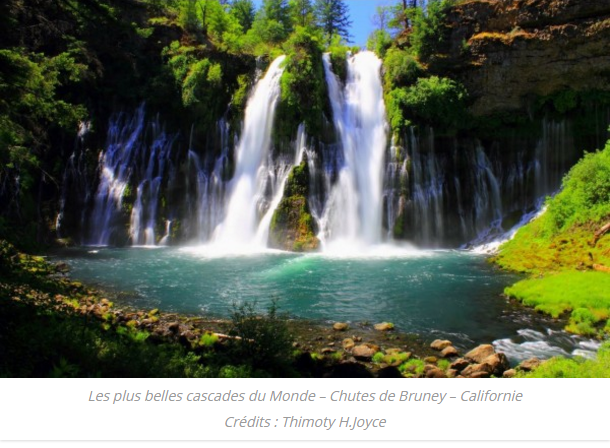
129,162
353,215
246,204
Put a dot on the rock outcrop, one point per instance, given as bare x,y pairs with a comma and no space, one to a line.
510,53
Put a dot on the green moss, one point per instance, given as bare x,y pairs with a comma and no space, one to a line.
303,86
292,226
560,249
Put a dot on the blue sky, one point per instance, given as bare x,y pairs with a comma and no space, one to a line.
361,14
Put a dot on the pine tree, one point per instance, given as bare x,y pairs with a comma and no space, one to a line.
333,18
243,11
279,11
302,12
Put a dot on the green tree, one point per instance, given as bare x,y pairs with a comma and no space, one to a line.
243,11
302,12
333,18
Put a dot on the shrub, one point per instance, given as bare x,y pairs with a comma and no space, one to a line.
261,340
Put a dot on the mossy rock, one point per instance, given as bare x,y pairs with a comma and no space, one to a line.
292,226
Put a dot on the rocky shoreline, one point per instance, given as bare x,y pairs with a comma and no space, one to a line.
319,349
322,349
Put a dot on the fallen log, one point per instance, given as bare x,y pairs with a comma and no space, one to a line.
601,268
600,233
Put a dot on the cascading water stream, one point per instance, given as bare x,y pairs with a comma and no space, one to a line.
353,215
239,227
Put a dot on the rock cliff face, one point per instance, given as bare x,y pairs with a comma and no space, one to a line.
509,52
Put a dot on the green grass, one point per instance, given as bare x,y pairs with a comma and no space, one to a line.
566,291
560,252
575,368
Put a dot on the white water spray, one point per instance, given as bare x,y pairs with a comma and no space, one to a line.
239,228
353,216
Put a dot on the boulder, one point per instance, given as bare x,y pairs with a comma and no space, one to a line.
530,364
479,353
498,363
440,345
480,375
340,326
452,373
348,344
459,364
364,352
435,372
473,369
509,373
384,326
449,352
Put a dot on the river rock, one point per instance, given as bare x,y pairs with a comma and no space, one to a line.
435,372
498,363
459,364
479,353
473,369
440,345
384,326
530,364
348,344
452,373
173,327
393,351
481,374
431,359
340,326
509,373
449,352
365,352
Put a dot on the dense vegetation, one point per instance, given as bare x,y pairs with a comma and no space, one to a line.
565,251
67,64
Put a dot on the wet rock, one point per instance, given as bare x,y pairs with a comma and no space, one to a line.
509,373
498,363
440,345
530,364
459,364
365,352
173,327
449,352
393,351
340,326
431,359
473,369
348,344
435,372
481,374
452,373
357,338
479,353
153,312
327,351
384,326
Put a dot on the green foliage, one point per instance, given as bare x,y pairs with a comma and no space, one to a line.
260,340
587,293
302,13
429,31
401,68
303,85
412,367
243,11
437,101
585,195
576,367
378,357
333,18
338,57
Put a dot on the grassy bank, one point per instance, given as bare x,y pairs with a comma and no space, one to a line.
566,253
